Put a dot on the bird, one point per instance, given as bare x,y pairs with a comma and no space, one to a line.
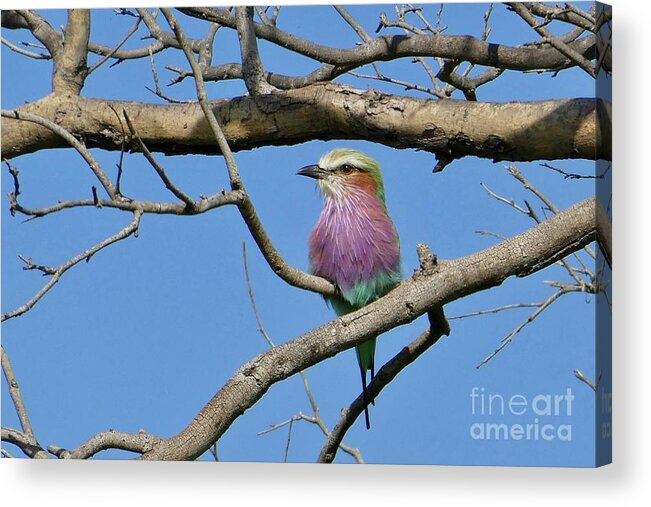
354,243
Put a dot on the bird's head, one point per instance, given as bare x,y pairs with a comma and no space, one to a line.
342,171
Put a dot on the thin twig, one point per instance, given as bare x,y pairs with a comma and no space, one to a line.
127,231
120,43
491,233
579,374
190,203
496,310
213,451
407,85
546,304
221,198
289,439
515,172
25,52
510,202
158,91
572,176
359,30
261,327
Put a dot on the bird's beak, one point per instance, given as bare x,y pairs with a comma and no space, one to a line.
312,171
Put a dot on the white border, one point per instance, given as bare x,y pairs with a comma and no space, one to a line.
106,483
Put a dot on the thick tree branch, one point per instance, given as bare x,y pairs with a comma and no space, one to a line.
522,131
135,442
521,255
40,29
70,69
25,442
70,140
252,70
463,48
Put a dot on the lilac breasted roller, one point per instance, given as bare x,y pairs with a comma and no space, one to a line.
354,243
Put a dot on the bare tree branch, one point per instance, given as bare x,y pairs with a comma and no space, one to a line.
582,19
25,52
252,70
42,30
135,442
561,46
159,170
541,308
571,176
515,172
16,395
536,248
496,310
392,47
529,211
25,442
545,130
70,140
70,69
120,43
56,273
161,208
383,377
285,110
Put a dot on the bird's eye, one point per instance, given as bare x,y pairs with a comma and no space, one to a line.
347,168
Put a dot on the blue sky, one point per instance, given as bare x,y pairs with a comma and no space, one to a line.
146,332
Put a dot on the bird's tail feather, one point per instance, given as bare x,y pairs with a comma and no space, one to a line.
366,359
365,397
372,377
